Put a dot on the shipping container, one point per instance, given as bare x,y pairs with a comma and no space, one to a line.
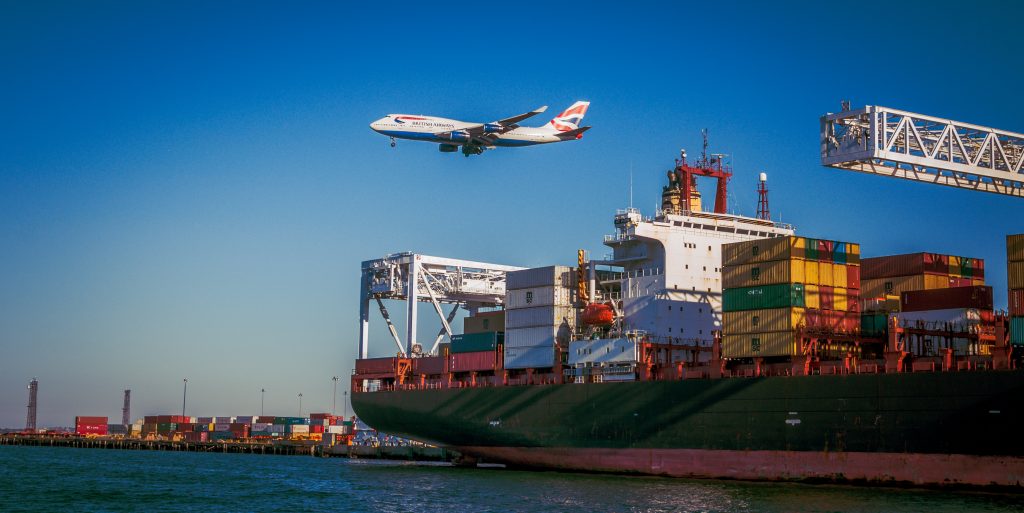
475,361
903,265
779,343
1015,275
428,365
91,421
91,429
765,296
299,429
539,296
874,324
540,316
245,419
1015,248
955,267
1017,331
265,419
765,273
473,342
763,250
943,299
604,351
759,321
558,275
537,357
484,321
853,276
832,320
892,286
376,365
839,276
812,296
536,336
204,420
290,421
1017,302
223,420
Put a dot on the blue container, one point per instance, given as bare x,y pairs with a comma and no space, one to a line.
839,253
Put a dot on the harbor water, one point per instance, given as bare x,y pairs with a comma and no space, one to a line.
67,479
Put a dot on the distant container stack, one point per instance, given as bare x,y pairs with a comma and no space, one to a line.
539,315
773,287
1015,280
86,426
890,276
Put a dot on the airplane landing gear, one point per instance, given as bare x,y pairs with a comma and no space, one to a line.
393,142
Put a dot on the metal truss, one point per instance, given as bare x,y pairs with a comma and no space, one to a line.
416,278
900,144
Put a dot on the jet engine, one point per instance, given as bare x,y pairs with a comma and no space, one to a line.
455,136
448,148
491,128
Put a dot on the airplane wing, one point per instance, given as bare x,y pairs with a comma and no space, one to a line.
516,119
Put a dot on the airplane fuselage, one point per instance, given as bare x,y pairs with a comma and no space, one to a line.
449,131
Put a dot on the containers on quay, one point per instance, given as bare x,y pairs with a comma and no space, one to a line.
85,425
529,357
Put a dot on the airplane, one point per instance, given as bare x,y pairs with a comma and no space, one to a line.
474,138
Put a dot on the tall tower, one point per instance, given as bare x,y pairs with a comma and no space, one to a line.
126,410
762,198
33,392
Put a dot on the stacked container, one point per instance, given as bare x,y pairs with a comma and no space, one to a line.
1015,280
539,314
772,287
893,275
476,352
90,426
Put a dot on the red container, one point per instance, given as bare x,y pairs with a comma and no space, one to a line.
826,250
429,365
903,265
199,436
853,301
1017,302
180,419
91,421
853,276
978,268
959,282
979,297
265,419
836,321
828,297
320,416
316,429
474,361
376,365
185,427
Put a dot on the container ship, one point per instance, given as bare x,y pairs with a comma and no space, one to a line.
709,345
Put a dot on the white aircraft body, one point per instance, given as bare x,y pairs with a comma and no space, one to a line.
474,138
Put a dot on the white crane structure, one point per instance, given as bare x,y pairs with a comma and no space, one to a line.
416,278
900,144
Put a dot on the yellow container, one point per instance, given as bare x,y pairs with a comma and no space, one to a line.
840,299
880,287
763,250
839,275
812,296
852,253
1015,248
1015,275
763,320
811,268
763,273
776,343
954,266
825,274
936,281
978,281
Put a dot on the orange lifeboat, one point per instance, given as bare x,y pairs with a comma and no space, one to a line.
598,314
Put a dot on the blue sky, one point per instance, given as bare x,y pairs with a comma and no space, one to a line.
186,190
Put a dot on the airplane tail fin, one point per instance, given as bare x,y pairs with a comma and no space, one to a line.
569,119
573,134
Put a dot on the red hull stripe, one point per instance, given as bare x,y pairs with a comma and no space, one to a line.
895,468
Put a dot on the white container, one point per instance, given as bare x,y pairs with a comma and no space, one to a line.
540,316
222,427
338,430
531,337
538,296
245,419
602,352
223,420
539,277
300,428
536,357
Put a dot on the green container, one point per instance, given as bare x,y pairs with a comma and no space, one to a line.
290,421
166,427
220,435
1017,331
839,253
783,295
811,249
966,270
473,342
874,323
